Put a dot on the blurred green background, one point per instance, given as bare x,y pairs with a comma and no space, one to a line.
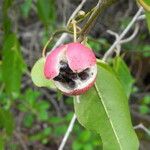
33,118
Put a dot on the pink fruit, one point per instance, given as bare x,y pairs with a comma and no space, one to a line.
72,67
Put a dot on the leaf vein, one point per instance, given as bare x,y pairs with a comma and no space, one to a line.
107,114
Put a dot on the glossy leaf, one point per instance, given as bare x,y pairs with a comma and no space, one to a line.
37,75
12,65
104,109
124,75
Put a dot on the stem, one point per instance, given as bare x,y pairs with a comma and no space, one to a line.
67,132
133,35
76,11
86,15
144,5
74,30
111,49
100,7
52,37
65,35
141,126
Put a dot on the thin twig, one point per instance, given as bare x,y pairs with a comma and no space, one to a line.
65,35
141,126
51,38
20,139
100,7
118,46
76,11
132,36
144,5
141,17
67,132
111,49
61,40
74,30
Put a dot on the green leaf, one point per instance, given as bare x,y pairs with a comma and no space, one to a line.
88,146
1,78
42,105
55,120
1,143
124,75
84,136
12,65
104,109
41,135
6,121
6,5
146,100
76,145
43,115
6,20
147,2
37,75
145,49
148,19
46,11
28,120
31,97
25,7
60,130
47,131
144,109
96,46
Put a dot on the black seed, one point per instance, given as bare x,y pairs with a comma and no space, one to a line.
68,70
59,78
65,69
67,79
73,76
83,75
62,73
72,84
65,75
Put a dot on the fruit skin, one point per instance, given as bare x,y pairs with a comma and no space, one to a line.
78,57
51,67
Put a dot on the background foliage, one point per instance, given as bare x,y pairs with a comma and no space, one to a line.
37,118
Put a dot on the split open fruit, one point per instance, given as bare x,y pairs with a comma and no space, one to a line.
72,67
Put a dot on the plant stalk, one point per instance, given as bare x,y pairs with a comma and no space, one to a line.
99,8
